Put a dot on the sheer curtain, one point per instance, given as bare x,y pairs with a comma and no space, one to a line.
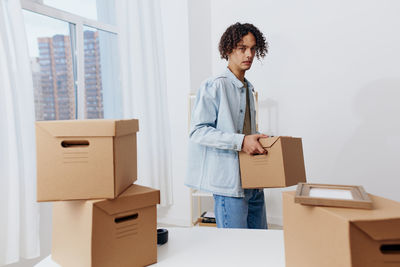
19,223
144,90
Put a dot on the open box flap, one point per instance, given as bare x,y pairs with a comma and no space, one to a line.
269,141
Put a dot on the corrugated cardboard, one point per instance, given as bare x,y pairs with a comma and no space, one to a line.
331,237
118,232
283,165
85,159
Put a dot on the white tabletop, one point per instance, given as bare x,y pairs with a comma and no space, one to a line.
209,246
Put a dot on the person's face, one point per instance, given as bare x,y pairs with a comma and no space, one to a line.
242,56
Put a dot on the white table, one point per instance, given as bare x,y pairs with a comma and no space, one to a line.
208,246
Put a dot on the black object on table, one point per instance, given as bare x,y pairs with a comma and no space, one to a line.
162,236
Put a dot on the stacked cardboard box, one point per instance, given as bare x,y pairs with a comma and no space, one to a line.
100,218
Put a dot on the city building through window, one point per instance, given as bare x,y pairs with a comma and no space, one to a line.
74,59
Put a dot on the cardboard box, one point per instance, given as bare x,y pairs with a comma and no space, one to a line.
283,165
118,232
85,159
330,237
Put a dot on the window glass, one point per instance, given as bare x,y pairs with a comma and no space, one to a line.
102,83
53,64
100,10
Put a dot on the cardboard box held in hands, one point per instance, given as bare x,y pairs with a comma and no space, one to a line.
113,232
85,159
328,236
283,165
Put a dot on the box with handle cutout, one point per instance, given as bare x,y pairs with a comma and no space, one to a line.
107,232
85,159
283,165
330,236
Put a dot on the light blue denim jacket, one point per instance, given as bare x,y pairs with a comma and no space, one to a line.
216,135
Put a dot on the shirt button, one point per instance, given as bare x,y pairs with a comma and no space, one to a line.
242,91
241,111
238,131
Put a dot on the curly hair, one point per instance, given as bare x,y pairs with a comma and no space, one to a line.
234,34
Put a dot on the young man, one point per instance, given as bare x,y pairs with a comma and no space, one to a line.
223,123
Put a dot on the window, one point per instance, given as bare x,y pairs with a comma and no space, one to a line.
74,58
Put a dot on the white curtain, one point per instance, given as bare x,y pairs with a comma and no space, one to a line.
144,90
19,212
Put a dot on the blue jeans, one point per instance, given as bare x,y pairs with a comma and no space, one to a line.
241,212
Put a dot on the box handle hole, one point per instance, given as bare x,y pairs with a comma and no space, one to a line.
260,154
390,249
75,143
126,218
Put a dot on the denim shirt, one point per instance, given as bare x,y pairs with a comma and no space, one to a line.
216,135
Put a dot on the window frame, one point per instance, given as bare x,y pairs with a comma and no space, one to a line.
76,33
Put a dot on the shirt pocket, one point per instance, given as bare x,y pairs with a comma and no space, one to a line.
222,168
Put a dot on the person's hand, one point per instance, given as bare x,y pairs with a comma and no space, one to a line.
251,145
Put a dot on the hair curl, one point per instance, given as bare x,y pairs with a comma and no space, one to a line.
234,34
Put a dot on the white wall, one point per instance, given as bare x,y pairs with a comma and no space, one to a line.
200,46
332,77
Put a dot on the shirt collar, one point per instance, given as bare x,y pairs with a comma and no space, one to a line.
236,81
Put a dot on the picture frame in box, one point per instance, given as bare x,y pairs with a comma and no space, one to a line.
348,196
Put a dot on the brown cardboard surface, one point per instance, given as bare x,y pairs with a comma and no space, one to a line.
103,166
380,230
71,236
135,197
84,234
92,127
124,165
129,243
125,127
329,236
283,165
268,142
